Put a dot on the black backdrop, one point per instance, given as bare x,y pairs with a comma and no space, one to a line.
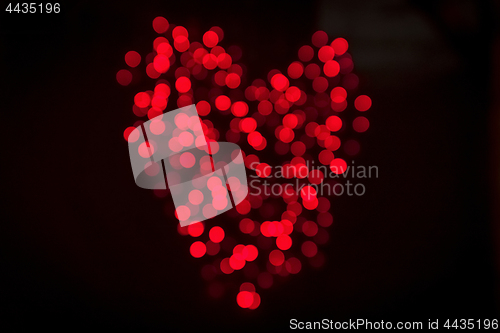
85,248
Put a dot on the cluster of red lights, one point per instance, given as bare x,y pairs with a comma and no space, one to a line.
295,115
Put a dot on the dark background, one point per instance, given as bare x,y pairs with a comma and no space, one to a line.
85,248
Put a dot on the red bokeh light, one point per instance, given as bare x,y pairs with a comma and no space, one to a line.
276,257
362,103
319,38
198,249
124,77
245,299
222,103
132,58
210,39
160,24
216,234
280,82
340,45
183,84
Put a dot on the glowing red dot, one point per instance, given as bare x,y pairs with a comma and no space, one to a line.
340,45
326,53
338,165
179,31
151,71
331,68
280,82
224,61
319,38
239,109
236,263
286,135
160,24
181,43
252,252
183,84
165,48
233,80
256,301
338,94
360,124
225,267
244,299
248,124
306,53
334,123
124,77
198,249
203,108
293,94
195,229
161,63
132,58
216,234
308,193
290,121
295,70
222,102
362,103
162,90
142,99
210,39
283,242
265,108
276,257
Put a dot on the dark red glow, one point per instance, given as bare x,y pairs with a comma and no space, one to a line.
360,124
295,70
306,53
160,24
132,58
362,103
124,77
319,38
276,257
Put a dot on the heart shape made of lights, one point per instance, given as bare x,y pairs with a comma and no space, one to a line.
294,118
